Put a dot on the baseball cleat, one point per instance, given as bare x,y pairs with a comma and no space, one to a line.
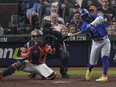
32,75
102,79
65,76
88,75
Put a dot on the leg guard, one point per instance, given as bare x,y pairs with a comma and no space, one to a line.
12,68
19,64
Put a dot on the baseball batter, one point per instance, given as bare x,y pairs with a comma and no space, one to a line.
96,25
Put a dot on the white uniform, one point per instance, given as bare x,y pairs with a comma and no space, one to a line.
99,48
41,69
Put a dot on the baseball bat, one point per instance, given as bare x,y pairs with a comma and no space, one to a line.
75,34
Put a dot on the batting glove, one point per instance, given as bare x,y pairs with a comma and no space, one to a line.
90,27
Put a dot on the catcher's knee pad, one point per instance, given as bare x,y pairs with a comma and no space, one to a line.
52,76
19,65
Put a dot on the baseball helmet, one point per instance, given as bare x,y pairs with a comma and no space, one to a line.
84,12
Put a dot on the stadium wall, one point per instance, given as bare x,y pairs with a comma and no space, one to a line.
78,47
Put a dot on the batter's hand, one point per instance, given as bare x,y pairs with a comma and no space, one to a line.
90,27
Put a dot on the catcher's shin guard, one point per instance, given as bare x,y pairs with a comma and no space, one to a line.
12,68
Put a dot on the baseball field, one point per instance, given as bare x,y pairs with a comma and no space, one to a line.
76,79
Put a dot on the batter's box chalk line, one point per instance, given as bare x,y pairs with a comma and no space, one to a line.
61,82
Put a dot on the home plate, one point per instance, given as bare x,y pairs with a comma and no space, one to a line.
61,82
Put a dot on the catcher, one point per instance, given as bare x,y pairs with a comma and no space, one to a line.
55,40
34,54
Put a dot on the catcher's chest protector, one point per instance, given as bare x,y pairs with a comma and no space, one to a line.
37,55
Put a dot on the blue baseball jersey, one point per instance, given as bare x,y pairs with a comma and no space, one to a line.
99,30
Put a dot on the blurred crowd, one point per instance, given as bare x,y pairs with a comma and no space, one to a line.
63,14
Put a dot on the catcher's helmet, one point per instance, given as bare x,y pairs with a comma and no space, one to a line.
36,33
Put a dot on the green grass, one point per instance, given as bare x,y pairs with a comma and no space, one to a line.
82,72
73,72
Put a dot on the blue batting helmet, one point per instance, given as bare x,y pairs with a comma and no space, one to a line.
84,12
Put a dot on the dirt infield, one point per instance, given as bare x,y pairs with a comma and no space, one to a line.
73,81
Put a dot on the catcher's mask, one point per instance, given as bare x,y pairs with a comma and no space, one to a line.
36,34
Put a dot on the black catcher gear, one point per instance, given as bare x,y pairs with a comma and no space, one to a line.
11,69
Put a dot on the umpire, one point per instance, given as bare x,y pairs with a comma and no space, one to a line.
55,39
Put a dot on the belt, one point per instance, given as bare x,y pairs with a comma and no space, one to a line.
100,39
